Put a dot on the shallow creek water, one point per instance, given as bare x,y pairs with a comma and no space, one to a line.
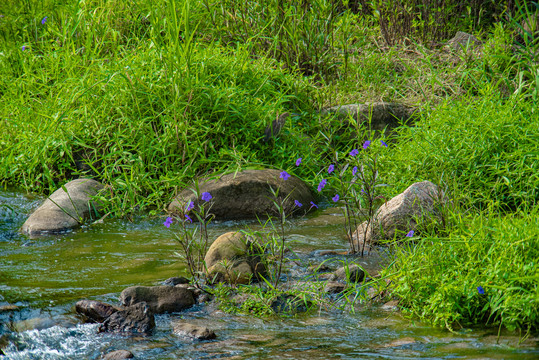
44,277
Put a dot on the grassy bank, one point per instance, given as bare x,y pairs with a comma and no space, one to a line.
146,95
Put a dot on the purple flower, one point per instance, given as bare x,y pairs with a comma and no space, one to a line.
335,198
480,290
383,143
298,204
322,184
354,171
188,218
190,206
168,222
354,152
313,205
23,47
410,233
366,144
44,20
206,196
298,161
363,191
331,168
284,175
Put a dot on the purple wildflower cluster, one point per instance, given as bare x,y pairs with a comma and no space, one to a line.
168,222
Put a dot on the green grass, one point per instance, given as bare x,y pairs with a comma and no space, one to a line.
438,277
144,97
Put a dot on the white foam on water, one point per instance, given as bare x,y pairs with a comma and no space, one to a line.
55,343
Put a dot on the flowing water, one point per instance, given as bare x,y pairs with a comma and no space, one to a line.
44,277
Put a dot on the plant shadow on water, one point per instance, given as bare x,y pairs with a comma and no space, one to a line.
45,276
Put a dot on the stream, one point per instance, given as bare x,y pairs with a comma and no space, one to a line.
42,278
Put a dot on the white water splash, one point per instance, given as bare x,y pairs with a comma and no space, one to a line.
55,343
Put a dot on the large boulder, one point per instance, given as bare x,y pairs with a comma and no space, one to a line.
136,319
401,213
67,208
234,258
378,115
160,299
247,195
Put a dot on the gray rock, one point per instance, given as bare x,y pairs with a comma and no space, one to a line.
334,287
63,210
401,213
378,115
173,281
234,258
95,310
119,355
136,319
160,299
353,273
247,195
194,331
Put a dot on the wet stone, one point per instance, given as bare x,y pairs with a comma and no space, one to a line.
134,319
334,287
194,331
118,355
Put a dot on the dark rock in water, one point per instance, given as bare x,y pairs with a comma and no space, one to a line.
160,299
247,195
241,255
194,331
173,281
334,287
95,310
136,319
352,273
290,304
118,355
63,210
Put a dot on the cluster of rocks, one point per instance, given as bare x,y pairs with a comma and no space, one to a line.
139,305
233,257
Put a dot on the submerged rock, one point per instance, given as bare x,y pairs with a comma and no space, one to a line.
95,310
67,208
234,258
118,355
194,331
160,299
247,195
401,213
136,319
